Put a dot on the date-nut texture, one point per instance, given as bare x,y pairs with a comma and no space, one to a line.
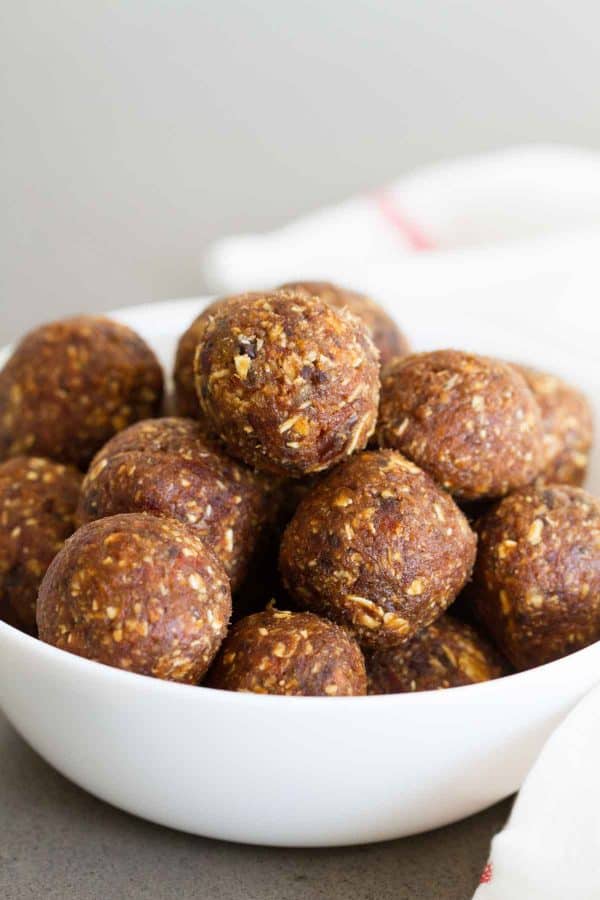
536,585
447,654
290,384
70,385
168,467
293,653
38,499
567,425
386,335
137,592
470,421
186,398
378,547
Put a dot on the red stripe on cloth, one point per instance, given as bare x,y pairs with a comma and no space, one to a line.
417,239
486,875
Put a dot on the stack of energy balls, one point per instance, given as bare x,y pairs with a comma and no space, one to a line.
372,520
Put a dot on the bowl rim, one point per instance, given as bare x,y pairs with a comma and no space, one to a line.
88,668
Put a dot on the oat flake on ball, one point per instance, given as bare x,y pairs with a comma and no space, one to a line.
290,384
378,547
386,335
470,421
38,499
70,385
137,592
293,653
536,583
168,467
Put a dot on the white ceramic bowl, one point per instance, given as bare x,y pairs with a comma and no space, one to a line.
296,771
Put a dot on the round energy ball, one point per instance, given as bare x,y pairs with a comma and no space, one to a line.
378,548
70,385
536,584
186,398
168,467
447,654
567,427
37,513
470,421
293,653
290,384
137,592
386,335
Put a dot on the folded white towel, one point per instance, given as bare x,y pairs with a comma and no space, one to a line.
501,236
550,848
518,203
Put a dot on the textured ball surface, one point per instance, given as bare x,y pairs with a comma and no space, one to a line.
293,653
470,421
290,384
186,398
536,584
137,592
38,499
70,385
377,547
567,425
387,337
447,653
168,467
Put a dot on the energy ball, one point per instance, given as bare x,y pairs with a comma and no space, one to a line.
70,385
567,427
38,499
293,653
536,585
290,384
137,592
470,421
447,654
186,398
386,335
168,467
378,547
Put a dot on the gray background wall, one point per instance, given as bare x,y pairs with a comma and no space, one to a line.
136,131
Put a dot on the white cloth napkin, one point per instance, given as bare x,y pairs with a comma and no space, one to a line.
501,237
531,210
550,848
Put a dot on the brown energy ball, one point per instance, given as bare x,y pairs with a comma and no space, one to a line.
470,421
377,547
536,584
37,513
137,592
297,654
186,398
567,426
290,384
386,335
447,654
168,467
70,385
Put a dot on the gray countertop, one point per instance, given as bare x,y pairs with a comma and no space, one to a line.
59,843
